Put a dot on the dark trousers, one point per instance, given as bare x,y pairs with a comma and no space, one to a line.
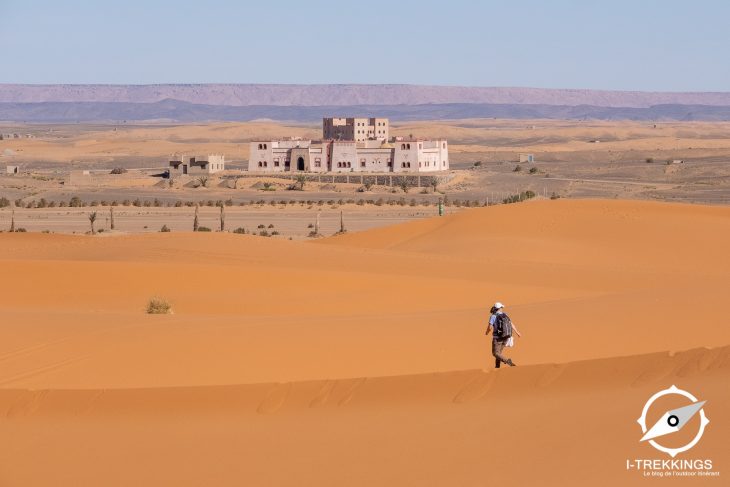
497,349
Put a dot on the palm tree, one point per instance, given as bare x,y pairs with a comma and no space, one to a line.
92,219
301,181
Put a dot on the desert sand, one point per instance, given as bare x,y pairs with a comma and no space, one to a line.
361,359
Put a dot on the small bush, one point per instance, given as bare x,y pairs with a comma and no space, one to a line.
261,225
158,306
240,230
517,168
264,233
274,233
165,229
271,225
204,229
21,230
533,170
4,202
75,202
478,164
554,196
649,160
118,170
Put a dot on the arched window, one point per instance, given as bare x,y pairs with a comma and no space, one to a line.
403,147
261,146
408,146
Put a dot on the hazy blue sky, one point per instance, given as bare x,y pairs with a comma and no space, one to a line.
614,44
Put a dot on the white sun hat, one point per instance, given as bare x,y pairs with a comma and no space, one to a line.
498,305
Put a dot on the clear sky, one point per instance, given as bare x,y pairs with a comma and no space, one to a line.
650,45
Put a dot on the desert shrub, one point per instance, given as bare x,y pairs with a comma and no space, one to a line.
240,230
649,160
125,203
158,306
478,164
101,230
274,233
165,229
261,225
228,202
118,170
62,204
533,170
104,203
137,202
272,202
30,204
517,168
516,198
75,202
4,202
178,204
147,203
311,225
271,225
554,196
379,202
402,201
157,203
51,204
264,233
204,229
413,202
361,202
21,230
94,203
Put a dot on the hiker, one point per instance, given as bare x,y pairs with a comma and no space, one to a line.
501,327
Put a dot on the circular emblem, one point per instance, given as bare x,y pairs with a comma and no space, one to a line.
673,421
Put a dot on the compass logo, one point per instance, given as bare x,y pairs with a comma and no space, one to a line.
673,421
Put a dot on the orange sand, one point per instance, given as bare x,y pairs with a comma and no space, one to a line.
357,360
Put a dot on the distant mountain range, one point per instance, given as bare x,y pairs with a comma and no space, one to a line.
226,102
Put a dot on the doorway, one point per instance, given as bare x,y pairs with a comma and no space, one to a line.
300,164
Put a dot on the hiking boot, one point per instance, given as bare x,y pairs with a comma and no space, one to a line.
510,362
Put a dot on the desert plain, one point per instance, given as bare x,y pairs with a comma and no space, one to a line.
361,358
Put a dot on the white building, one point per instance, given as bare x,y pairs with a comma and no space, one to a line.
411,155
196,165
350,145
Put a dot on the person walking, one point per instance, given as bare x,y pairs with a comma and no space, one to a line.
501,328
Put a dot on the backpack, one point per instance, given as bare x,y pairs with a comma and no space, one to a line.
502,326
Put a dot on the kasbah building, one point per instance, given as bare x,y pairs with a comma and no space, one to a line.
351,145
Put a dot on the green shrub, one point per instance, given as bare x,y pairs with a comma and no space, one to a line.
165,229
204,229
240,230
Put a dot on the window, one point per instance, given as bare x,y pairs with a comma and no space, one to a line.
444,145
276,163
349,164
362,162
408,146
265,146
261,164
403,147
261,146
266,163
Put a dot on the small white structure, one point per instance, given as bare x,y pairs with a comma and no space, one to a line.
527,158
196,165
12,169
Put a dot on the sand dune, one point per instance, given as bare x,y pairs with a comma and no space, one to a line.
358,359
